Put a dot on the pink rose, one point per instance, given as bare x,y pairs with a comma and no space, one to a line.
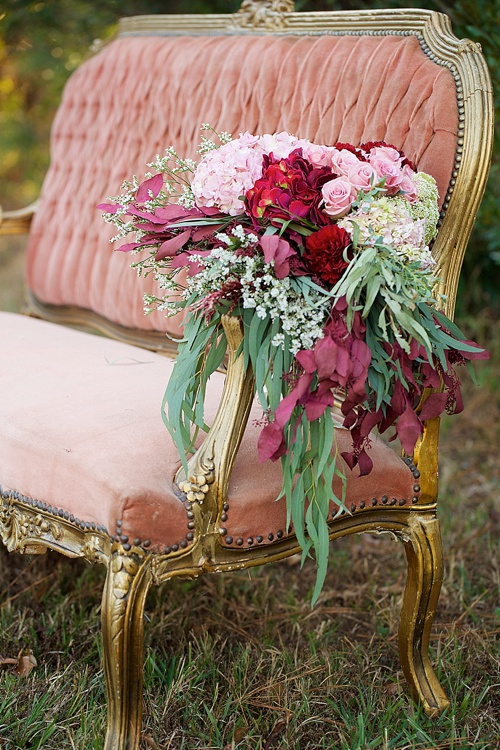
319,156
338,196
387,152
386,167
362,176
342,160
407,185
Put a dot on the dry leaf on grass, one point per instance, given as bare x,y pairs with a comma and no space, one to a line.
150,742
277,730
7,661
24,663
239,734
393,688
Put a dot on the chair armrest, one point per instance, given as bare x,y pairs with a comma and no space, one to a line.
209,469
425,457
17,222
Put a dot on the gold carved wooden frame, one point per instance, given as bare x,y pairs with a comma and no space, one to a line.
30,526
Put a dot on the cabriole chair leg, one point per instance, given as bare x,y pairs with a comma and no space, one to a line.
127,584
424,578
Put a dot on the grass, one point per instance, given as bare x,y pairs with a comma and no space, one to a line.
241,661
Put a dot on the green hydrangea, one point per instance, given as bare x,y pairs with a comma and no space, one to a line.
427,206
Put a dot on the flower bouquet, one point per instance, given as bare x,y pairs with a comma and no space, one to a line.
323,254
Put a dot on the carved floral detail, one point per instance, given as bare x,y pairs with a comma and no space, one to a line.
197,486
467,45
18,526
92,549
267,14
124,567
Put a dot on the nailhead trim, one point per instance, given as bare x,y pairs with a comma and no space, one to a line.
59,512
374,502
182,544
92,525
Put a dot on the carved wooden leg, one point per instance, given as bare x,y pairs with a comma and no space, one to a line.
425,575
124,596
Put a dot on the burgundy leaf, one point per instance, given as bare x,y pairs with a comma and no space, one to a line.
170,247
349,458
110,208
434,405
286,407
279,250
128,247
479,354
150,187
369,420
365,463
317,404
271,443
134,211
343,364
325,354
306,360
183,259
201,233
409,429
209,211
171,212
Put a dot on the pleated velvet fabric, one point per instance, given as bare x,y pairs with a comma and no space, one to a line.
140,95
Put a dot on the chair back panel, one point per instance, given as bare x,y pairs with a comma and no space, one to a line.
142,93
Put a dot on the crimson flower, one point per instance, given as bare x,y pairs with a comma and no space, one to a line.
324,254
288,188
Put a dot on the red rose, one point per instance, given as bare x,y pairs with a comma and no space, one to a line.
324,254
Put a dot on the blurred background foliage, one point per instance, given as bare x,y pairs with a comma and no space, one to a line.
41,43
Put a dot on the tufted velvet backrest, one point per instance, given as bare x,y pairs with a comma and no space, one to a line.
141,94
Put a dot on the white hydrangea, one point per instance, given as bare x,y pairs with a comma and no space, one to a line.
391,220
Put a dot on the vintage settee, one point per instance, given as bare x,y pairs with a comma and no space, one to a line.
86,466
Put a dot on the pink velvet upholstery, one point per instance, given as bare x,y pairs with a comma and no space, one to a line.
81,431
142,94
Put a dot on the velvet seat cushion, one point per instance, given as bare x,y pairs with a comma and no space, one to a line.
81,431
